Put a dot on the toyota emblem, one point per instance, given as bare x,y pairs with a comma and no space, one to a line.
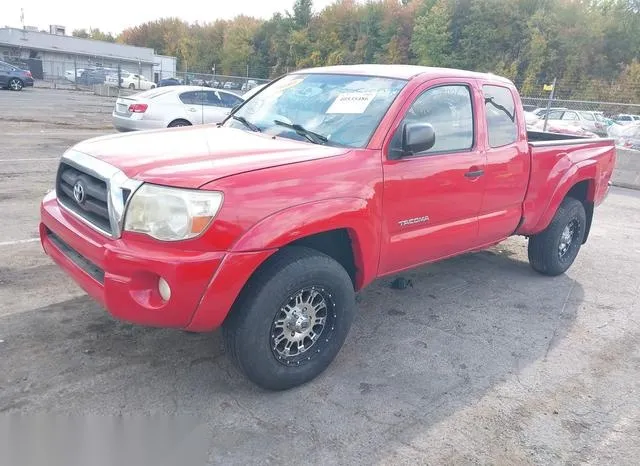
78,192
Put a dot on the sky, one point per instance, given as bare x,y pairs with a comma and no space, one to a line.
115,16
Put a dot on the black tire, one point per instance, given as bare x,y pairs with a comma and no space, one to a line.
15,84
178,123
549,253
251,330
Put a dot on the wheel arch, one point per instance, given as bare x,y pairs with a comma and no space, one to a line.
343,229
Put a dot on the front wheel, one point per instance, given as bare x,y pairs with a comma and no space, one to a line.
291,319
552,251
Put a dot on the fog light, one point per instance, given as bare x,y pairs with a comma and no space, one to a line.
164,289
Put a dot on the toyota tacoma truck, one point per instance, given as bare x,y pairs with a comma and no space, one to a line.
326,179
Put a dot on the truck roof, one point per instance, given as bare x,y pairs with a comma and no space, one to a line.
403,72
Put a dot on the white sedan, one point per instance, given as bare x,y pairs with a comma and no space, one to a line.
168,107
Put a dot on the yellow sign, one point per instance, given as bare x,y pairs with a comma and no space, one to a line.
548,87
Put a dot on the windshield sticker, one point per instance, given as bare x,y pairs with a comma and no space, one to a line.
351,102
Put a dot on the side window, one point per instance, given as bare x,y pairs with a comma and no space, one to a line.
500,111
3,67
191,98
448,109
212,99
555,115
572,116
229,100
587,116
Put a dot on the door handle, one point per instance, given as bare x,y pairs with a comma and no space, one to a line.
191,109
474,173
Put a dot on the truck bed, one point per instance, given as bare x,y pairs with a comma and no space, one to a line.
558,163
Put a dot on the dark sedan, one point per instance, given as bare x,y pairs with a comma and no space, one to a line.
169,82
14,78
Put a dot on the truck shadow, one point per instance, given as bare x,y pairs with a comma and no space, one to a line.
414,357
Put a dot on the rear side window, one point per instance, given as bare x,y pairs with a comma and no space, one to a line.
212,99
193,98
571,116
587,116
501,116
229,100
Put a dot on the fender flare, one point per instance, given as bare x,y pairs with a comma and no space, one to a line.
576,174
356,215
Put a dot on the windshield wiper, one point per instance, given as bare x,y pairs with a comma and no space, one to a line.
302,131
247,123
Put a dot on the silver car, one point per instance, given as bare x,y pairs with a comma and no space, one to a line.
588,121
167,107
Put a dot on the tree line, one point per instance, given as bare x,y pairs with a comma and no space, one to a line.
591,46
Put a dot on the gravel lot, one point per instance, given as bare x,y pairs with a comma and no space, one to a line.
481,361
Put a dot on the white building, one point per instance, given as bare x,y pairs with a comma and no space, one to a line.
49,55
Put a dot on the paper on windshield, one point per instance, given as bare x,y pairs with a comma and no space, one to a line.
351,102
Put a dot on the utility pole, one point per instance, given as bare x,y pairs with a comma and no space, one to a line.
546,114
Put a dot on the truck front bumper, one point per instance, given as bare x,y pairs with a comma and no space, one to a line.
123,274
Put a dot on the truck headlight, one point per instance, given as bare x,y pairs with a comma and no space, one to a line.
171,214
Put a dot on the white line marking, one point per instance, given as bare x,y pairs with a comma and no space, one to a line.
29,160
19,241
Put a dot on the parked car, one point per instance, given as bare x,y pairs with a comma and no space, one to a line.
329,178
232,85
569,128
542,111
627,136
92,77
136,81
14,78
169,82
625,118
168,107
589,121
247,95
72,75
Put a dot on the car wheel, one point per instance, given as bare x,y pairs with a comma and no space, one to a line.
132,86
153,86
16,84
178,123
552,251
291,319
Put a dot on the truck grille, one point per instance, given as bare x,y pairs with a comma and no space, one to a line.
84,194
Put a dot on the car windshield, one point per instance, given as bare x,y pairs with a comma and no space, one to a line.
332,109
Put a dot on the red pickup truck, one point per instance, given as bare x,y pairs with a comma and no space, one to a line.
326,179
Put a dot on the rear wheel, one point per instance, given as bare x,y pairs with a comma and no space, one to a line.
552,251
177,123
16,84
132,86
291,320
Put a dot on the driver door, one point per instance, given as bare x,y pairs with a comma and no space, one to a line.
432,199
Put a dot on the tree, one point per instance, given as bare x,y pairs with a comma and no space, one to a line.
431,40
302,13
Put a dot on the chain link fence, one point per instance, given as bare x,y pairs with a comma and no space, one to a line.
114,78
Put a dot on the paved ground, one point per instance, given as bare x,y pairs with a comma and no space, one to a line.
481,361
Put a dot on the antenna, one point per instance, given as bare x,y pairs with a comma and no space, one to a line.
22,17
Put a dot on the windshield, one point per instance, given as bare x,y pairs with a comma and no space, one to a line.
332,109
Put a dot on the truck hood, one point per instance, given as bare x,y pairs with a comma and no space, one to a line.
190,157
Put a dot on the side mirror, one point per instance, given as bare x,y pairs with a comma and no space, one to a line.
417,137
